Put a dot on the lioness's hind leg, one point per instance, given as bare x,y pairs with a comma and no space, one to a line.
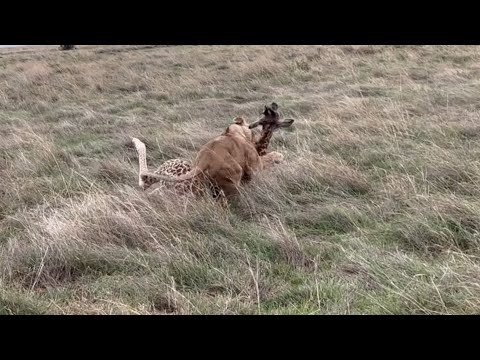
247,175
229,189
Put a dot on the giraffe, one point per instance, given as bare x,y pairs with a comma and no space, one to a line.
172,167
177,167
270,122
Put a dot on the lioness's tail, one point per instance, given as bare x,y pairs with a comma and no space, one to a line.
142,160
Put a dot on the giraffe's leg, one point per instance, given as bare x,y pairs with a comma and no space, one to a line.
271,159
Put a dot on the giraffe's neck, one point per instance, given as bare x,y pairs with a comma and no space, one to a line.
263,142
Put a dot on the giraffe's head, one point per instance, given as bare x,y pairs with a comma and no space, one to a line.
270,120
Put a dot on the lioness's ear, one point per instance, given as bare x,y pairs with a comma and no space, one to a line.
239,121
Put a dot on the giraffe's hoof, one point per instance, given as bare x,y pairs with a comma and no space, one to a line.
276,157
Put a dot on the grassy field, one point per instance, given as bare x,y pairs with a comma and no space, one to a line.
375,211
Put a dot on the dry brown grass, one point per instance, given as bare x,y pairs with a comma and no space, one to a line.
375,211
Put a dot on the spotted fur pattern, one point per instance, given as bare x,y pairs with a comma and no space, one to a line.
177,167
172,167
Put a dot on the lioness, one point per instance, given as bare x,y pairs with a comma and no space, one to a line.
226,161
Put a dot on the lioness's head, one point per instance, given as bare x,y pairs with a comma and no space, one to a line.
270,120
240,128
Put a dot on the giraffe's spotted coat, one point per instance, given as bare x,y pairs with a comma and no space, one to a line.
178,167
